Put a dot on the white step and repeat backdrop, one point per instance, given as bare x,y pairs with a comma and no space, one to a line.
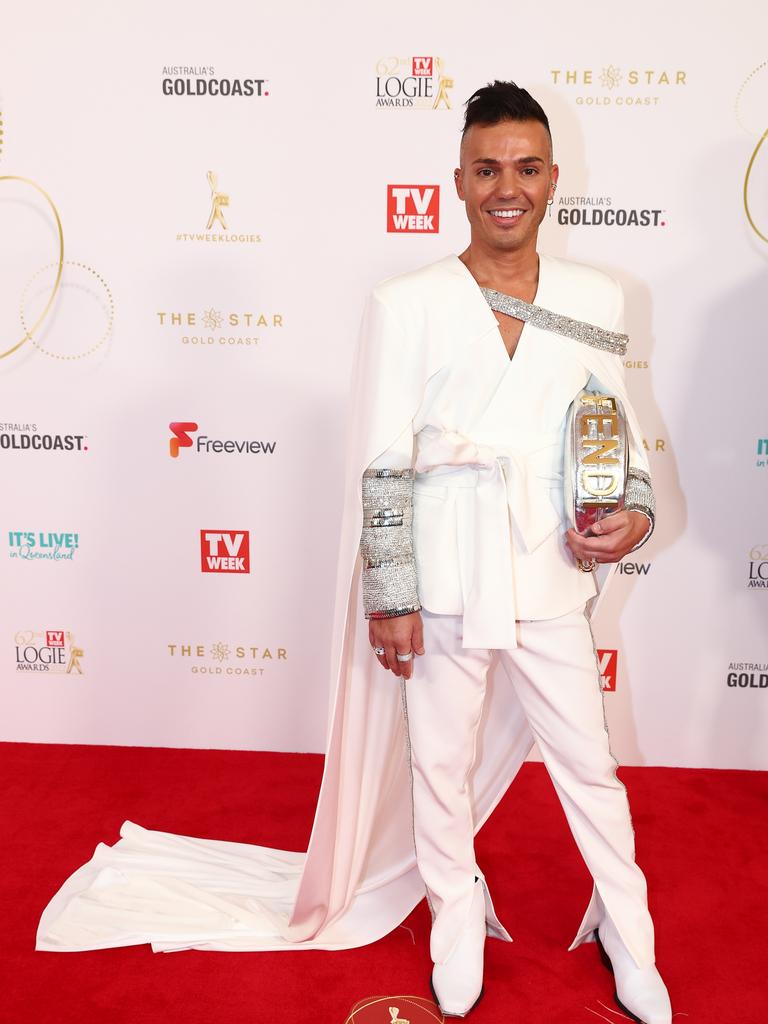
194,201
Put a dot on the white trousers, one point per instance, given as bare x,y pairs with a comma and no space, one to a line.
555,675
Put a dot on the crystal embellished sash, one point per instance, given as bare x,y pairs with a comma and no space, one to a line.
538,316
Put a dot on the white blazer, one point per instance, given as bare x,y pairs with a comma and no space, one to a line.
487,445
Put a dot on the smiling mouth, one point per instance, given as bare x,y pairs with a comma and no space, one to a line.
505,216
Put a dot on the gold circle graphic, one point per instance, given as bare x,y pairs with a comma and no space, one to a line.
110,313
426,1007
755,151
59,264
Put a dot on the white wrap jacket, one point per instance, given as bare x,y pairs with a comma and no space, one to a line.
358,879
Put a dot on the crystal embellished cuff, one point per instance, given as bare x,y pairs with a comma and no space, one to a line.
638,497
389,569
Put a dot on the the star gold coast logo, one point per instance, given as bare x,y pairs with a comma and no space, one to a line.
413,83
215,328
616,86
48,650
226,658
217,227
58,307
751,107
655,444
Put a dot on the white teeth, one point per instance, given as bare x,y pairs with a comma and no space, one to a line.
506,213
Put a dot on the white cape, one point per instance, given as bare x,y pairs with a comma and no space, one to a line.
358,878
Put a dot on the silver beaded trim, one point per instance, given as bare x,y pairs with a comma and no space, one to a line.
389,569
638,497
579,330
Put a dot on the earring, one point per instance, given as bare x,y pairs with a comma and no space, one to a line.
549,207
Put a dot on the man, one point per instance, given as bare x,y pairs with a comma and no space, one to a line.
472,560
443,581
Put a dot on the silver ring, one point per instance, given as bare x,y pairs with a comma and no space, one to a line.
379,650
404,657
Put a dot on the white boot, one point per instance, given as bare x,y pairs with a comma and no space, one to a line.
640,991
458,983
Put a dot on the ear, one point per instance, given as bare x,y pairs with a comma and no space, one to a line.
555,173
458,182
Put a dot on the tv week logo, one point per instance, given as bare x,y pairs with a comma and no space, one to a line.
607,661
422,67
413,208
225,551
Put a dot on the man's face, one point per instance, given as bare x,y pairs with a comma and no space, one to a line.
505,179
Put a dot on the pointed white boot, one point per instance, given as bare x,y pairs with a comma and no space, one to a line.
457,985
640,991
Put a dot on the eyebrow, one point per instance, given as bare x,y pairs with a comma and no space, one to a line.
520,160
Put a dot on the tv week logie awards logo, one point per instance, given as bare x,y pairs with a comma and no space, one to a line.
48,650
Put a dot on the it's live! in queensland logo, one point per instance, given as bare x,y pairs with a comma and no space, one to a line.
31,545
413,208
225,551
181,437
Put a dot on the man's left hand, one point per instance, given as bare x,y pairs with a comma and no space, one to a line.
610,538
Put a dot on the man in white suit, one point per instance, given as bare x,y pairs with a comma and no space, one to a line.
466,557
461,382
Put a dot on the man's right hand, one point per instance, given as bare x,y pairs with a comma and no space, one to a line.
398,634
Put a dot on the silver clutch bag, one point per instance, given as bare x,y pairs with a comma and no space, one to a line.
596,461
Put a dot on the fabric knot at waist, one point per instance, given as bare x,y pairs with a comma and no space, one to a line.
510,490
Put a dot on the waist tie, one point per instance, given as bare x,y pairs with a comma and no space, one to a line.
509,492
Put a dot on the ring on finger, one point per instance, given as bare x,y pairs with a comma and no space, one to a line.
404,657
379,650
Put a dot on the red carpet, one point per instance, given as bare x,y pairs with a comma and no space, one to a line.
702,841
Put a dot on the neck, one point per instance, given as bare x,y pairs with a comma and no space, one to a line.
509,272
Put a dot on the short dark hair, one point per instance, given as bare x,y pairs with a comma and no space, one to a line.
503,101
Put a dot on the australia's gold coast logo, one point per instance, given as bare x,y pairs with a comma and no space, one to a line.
203,80
217,228
61,308
613,85
751,107
415,83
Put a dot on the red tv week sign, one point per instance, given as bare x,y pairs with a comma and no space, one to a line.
224,551
413,208
607,662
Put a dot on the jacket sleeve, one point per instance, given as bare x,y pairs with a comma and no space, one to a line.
638,496
389,583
